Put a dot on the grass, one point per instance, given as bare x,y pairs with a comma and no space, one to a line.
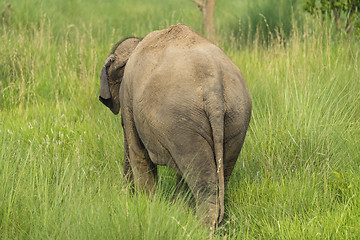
61,150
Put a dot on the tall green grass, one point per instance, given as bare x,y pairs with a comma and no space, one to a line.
61,150
301,157
259,20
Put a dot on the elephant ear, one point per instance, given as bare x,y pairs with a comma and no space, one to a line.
105,94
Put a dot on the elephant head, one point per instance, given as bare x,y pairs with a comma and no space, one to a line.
113,71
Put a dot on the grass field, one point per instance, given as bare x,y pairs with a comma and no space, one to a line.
298,175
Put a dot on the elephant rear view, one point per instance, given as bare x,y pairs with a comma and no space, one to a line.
184,104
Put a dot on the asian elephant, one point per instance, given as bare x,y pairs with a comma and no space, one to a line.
184,104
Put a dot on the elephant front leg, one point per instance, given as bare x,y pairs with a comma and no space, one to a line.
144,171
128,174
137,163
139,167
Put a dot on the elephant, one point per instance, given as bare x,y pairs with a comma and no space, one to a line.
184,104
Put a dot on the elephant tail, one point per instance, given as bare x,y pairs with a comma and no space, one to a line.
215,110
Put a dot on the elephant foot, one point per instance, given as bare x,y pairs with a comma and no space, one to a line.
209,213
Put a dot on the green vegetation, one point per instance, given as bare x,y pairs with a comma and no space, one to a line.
345,13
61,150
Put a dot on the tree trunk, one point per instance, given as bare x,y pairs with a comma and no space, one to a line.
208,18
207,8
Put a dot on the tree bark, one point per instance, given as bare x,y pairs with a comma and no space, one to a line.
207,8
208,18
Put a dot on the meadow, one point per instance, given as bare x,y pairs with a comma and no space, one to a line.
61,150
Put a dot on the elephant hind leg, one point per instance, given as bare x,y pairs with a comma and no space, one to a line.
231,153
180,185
197,167
182,189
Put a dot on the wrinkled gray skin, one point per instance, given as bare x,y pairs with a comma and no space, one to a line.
185,105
